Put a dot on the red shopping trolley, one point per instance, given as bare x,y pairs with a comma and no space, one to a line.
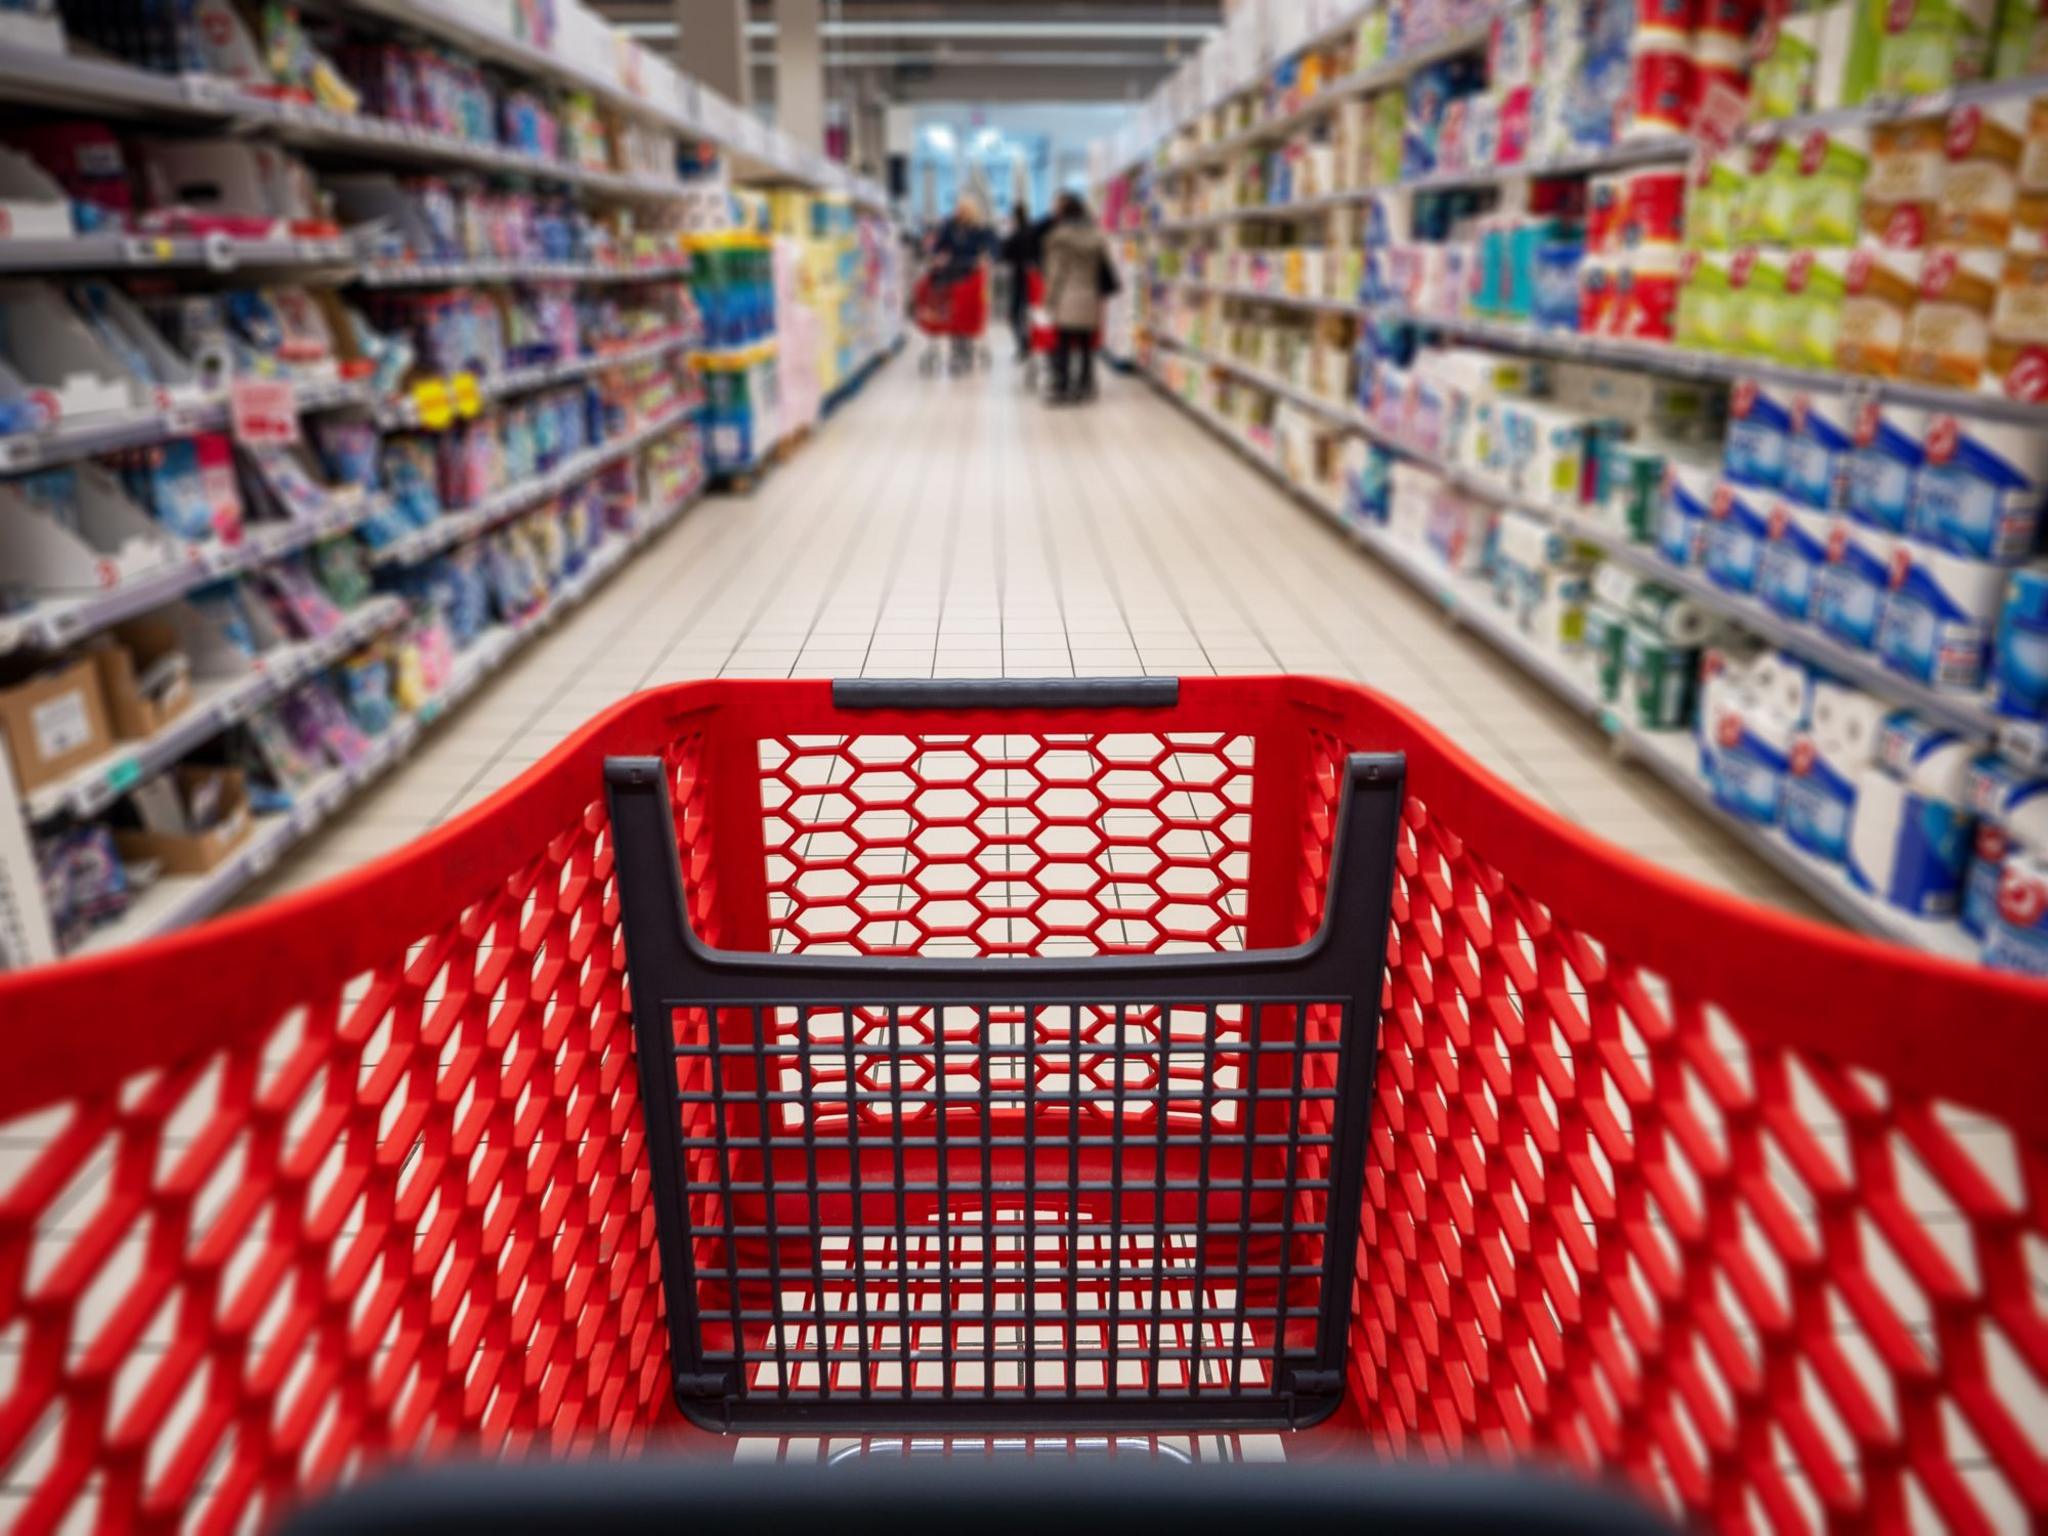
952,312
1230,1057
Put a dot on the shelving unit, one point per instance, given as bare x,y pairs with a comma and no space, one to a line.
581,54
1149,156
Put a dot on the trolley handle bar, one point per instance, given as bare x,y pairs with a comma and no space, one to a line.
1006,693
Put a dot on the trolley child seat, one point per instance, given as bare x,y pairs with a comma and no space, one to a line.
1224,1058
952,312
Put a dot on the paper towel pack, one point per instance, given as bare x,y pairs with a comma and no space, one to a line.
1938,617
1829,759
1909,839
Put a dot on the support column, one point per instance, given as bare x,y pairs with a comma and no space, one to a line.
800,73
711,46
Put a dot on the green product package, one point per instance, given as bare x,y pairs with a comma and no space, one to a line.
1930,45
1660,678
1816,283
1781,84
1828,207
1631,479
1758,302
1706,304
1606,636
2021,47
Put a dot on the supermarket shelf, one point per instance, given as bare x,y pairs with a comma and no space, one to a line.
404,415
1387,72
1887,109
1686,363
48,77
217,706
1671,755
1674,756
57,622
1263,296
459,274
109,431
178,901
857,379
166,253
2022,742
1643,152
453,528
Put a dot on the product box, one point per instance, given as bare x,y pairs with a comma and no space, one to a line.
1949,337
54,723
194,853
146,677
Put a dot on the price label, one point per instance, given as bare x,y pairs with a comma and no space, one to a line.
148,251
124,776
263,413
468,395
433,403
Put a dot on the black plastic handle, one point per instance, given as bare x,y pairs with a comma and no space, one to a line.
1006,692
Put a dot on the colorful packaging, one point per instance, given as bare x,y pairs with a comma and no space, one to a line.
1737,527
1880,294
1930,45
1982,491
1885,463
1689,486
1939,616
1756,277
1759,433
1793,556
1816,286
1705,318
2011,811
2016,361
1819,450
1829,759
2019,664
1833,166
1909,839
1849,595
1948,339
1980,192
1907,163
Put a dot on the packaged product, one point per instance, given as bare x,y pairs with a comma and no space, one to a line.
1907,162
1980,189
1880,292
1930,45
1949,336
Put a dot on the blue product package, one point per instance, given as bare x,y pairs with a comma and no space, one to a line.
2019,651
1736,530
2011,807
1938,617
1884,464
1490,285
1849,592
1556,281
1789,567
1682,512
2017,939
1759,432
1909,842
1743,760
1980,491
1820,798
1818,452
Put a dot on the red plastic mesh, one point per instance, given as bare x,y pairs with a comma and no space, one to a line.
410,1214
1605,1217
1007,845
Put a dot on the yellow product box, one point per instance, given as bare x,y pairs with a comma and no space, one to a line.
1949,337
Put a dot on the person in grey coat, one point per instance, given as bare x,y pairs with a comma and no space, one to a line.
1078,276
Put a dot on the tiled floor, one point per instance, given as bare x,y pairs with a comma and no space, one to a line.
957,528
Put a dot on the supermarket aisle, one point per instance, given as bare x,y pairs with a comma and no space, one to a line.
959,528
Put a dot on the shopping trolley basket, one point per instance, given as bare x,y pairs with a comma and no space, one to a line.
952,312
1654,1182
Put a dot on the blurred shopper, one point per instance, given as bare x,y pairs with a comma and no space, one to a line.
960,245
1078,278
1022,253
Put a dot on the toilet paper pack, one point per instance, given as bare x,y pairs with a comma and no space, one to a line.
2018,939
1759,432
1818,450
1737,526
1938,617
1983,488
1792,558
1909,836
2019,651
2011,809
1849,592
1689,485
1884,465
1745,742
1829,759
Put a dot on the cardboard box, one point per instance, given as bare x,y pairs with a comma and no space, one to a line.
194,853
54,722
135,648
